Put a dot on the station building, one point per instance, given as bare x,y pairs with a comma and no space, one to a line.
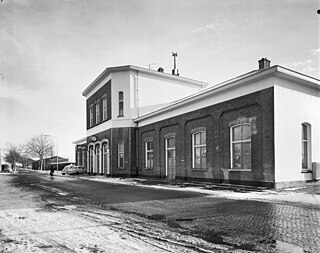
261,128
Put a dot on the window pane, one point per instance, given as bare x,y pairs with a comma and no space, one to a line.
304,155
121,147
246,132
246,148
171,154
236,133
171,143
236,149
247,162
236,161
204,162
304,132
120,96
120,160
203,138
197,163
203,151
105,148
149,145
196,139
120,108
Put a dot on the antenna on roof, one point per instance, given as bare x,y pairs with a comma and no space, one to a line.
175,70
150,64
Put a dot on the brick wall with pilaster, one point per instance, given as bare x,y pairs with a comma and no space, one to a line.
256,108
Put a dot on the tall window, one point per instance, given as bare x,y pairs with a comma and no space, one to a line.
97,112
91,159
240,147
120,155
91,116
105,151
306,145
120,104
98,158
83,158
170,154
104,109
78,158
199,150
149,154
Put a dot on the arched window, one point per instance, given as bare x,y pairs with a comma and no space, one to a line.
149,154
120,104
91,159
105,160
240,146
306,146
83,158
98,158
78,158
97,112
120,155
91,116
104,108
170,146
199,150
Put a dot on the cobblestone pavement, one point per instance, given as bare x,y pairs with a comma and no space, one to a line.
243,224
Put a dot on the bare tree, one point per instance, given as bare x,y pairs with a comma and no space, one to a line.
13,154
39,146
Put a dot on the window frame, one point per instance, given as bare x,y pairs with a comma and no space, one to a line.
306,152
167,149
240,141
104,108
97,154
97,105
119,158
83,154
91,116
201,146
79,158
147,151
121,103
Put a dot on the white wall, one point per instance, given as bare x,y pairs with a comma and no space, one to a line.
210,98
294,105
152,91
120,81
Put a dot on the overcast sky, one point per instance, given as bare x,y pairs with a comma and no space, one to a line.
50,51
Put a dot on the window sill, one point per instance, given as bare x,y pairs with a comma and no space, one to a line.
246,170
198,169
306,171
120,116
120,168
146,168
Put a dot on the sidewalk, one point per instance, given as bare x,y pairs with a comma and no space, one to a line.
307,196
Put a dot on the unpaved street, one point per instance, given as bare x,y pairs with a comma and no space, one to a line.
70,214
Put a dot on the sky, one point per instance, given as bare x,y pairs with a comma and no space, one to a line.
50,51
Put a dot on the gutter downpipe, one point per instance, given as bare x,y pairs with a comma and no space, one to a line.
137,124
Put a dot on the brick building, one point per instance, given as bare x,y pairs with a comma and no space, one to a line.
261,128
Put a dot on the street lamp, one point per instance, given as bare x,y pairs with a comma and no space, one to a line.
57,149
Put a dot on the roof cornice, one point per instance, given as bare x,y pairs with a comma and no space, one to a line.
110,70
235,82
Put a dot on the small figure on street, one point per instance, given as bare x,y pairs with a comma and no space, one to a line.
51,171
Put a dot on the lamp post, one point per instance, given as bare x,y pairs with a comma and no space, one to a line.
57,149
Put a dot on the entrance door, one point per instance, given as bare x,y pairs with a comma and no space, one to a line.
171,158
106,166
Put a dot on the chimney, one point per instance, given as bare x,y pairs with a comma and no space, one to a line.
264,63
160,70
175,70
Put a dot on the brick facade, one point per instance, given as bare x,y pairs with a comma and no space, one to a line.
104,91
256,109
